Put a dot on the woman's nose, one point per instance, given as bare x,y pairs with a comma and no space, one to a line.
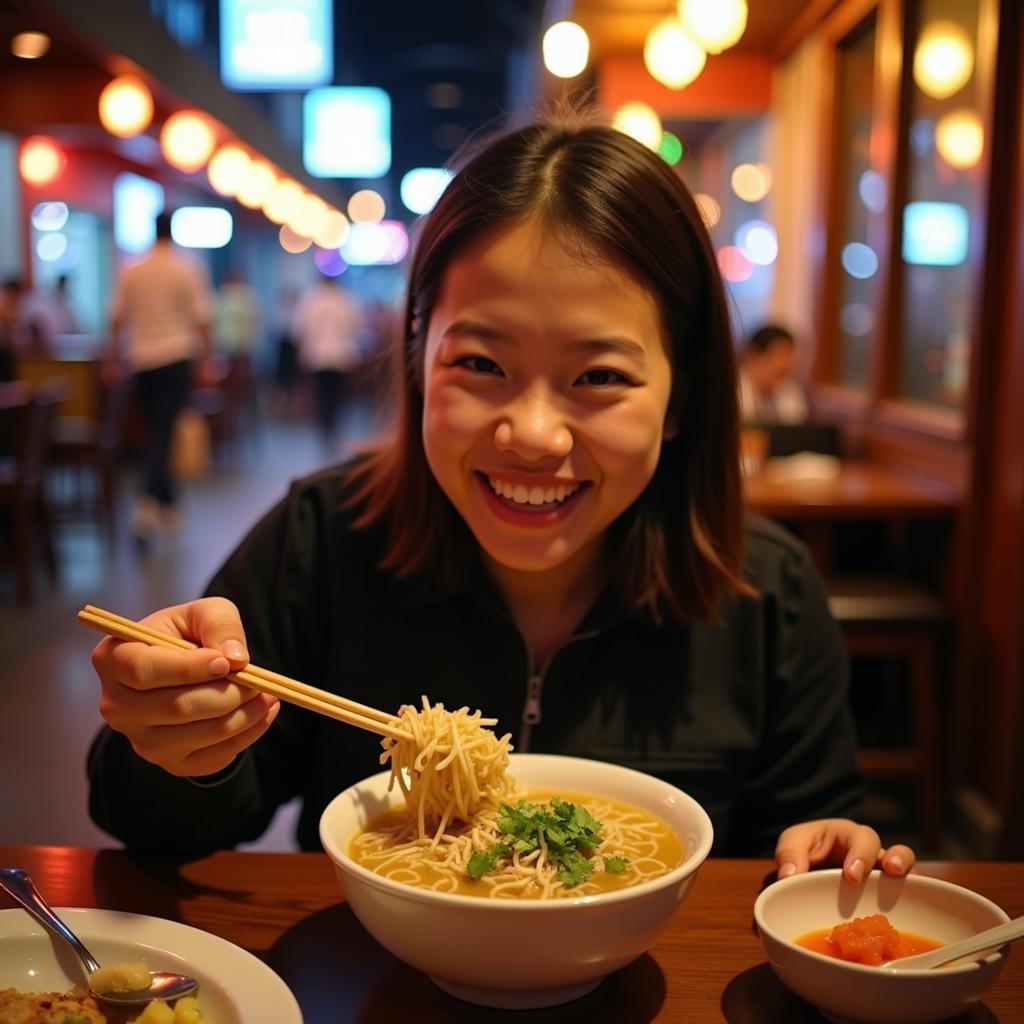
534,428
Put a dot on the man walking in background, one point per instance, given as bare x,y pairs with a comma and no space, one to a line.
162,306
326,328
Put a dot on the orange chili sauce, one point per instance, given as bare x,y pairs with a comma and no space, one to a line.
866,940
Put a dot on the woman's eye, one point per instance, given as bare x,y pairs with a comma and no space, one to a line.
479,364
602,378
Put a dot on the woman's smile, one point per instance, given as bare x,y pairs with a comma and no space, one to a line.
546,388
531,501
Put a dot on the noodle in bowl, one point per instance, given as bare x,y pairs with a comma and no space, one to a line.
518,952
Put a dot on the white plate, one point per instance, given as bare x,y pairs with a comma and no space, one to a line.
234,986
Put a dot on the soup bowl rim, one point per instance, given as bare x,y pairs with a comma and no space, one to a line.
338,849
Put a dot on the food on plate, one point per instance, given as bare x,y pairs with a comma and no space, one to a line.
545,847
121,978
868,940
78,1007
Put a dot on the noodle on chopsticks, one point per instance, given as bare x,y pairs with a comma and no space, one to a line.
452,768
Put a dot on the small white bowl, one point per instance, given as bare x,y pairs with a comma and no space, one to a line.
524,953
846,992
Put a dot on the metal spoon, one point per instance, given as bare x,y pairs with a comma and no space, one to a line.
16,883
984,942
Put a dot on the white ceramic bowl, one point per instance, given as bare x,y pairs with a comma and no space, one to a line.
846,992
520,953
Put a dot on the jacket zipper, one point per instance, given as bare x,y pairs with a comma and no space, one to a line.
534,685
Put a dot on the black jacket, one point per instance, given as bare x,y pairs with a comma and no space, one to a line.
748,715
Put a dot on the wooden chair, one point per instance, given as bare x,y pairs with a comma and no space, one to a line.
89,448
23,505
896,621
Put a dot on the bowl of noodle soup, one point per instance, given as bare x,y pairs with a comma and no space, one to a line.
517,936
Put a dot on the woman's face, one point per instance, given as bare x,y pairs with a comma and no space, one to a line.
546,389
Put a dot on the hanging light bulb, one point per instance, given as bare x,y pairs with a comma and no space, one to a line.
672,55
228,169
257,185
126,106
566,49
715,24
187,140
640,122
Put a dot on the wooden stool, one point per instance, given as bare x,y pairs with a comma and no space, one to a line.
899,621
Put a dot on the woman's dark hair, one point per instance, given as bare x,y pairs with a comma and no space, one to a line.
679,547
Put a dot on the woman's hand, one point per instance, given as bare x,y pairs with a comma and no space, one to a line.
834,842
176,707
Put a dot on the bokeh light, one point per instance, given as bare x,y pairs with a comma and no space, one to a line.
329,262
640,122
228,169
187,140
671,148
30,45
566,49
292,242
40,161
710,211
366,207
734,264
859,260
283,201
126,106
943,60
50,216
960,139
715,24
257,185
334,231
671,55
759,242
872,190
751,182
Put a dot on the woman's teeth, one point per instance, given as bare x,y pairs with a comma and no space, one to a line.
523,495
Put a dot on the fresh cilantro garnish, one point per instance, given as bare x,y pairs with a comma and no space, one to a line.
486,860
613,865
569,833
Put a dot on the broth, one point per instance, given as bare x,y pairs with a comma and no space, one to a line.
390,847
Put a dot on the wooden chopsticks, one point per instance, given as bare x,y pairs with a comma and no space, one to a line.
323,702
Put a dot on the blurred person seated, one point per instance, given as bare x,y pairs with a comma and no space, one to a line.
769,392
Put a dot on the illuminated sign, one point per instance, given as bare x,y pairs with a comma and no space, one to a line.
137,201
201,227
935,234
378,244
346,132
276,44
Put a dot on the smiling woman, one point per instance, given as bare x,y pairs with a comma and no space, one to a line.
554,532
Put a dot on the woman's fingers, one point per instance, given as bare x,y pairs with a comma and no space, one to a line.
171,705
836,841
212,759
897,860
185,748
861,844
142,667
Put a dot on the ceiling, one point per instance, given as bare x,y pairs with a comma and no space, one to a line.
620,26
452,67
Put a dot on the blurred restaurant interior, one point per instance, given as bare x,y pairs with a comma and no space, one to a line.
858,165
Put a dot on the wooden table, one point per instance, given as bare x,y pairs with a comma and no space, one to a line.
860,492
288,910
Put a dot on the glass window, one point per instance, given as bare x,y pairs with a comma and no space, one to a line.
861,221
944,204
